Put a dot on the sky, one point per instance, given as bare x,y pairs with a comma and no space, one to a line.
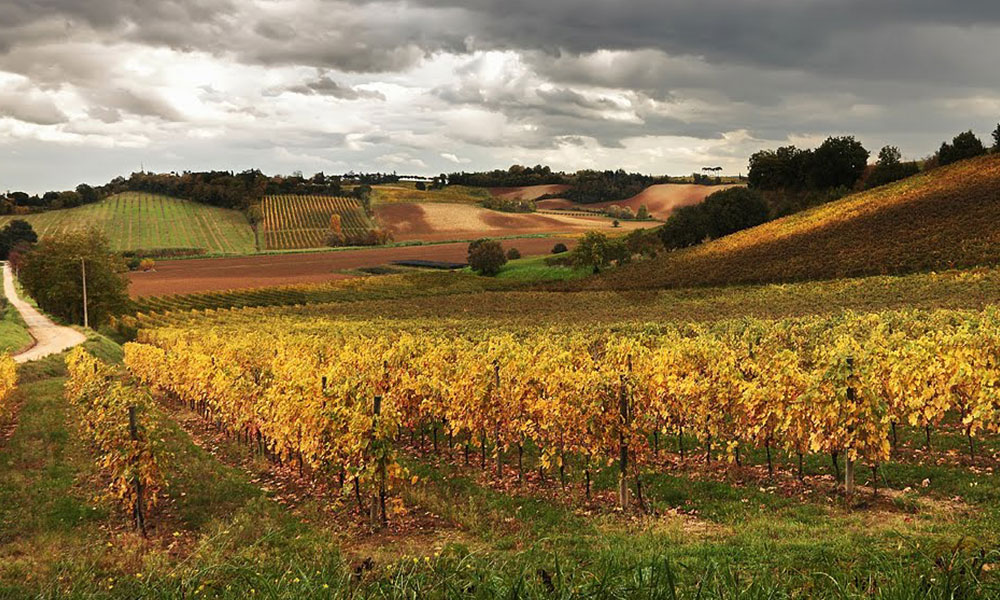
93,89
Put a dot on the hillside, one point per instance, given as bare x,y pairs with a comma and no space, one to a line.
944,218
141,221
444,222
661,200
292,222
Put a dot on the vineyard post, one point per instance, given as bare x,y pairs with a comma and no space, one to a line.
623,445
137,510
496,395
377,512
848,460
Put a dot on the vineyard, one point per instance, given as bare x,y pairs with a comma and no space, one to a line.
142,221
292,222
337,397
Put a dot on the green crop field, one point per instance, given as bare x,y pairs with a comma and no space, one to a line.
141,221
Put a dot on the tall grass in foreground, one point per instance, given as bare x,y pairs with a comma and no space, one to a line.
464,575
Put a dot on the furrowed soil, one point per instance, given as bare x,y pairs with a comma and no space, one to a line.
212,274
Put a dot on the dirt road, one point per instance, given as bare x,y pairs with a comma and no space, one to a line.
49,337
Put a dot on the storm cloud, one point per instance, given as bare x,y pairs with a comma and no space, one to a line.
660,86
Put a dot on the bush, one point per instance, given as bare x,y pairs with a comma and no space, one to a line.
420,185
486,257
509,205
373,237
615,223
559,248
147,264
513,254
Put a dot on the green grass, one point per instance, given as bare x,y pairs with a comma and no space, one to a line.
14,334
941,219
141,221
534,270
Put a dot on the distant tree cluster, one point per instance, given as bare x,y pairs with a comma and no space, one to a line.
890,167
964,145
837,162
372,237
18,235
724,212
511,205
608,186
515,176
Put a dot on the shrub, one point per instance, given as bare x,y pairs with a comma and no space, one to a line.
513,254
486,257
147,264
373,237
615,223
420,185
559,248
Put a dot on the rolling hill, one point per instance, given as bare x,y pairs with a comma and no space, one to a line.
141,221
661,199
945,218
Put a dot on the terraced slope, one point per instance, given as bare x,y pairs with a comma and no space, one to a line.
304,221
141,221
944,218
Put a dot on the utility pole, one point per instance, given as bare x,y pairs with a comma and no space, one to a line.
83,271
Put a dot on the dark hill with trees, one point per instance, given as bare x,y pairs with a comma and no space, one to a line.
943,218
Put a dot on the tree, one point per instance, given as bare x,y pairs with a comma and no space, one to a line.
643,213
839,161
596,250
420,185
721,213
486,257
513,254
996,138
364,195
964,145
51,274
889,156
15,233
889,168
88,195
559,248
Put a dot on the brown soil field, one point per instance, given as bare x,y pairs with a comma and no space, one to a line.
661,200
209,274
529,192
441,222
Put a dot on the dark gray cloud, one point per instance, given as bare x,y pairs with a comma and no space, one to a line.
489,81
324,86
